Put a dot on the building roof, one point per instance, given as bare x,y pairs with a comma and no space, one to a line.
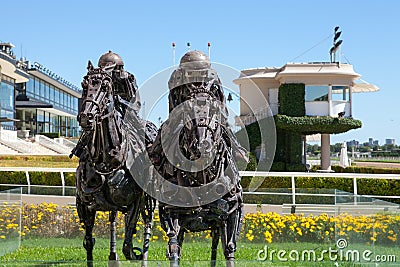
316,72
39,74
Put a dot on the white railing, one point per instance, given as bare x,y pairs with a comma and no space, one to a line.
28,184
293,175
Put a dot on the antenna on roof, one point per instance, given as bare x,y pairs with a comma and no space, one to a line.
173,53
209,46
188,46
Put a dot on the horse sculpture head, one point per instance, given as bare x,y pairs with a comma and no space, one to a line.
197,100
97,90
202,119
194,153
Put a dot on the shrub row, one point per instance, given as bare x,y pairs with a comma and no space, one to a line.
383,187
277,184
37,178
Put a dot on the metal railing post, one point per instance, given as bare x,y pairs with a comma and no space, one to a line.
293,210
28,181
62,182
355,190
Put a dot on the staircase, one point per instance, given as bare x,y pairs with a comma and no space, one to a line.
52,145
7,150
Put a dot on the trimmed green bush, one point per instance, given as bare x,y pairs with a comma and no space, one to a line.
312,125
70,178
45,178
359,169
291,99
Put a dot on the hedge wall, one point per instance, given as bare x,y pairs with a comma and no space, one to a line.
36,178
319,184
291,99
313,125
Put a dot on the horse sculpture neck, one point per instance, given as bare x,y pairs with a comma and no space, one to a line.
101,119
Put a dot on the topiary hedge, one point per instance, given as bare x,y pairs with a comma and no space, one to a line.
312,125
291,99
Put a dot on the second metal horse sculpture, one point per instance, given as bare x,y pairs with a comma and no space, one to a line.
108,141
196,152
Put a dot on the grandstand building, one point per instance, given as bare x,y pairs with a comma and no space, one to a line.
34,103
34,98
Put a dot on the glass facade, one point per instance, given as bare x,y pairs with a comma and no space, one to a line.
340,93
316,92
7,94
41,90
44,121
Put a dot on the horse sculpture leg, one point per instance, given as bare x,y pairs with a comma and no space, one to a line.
214,245
113,260
230,232
147,215
174,235
131,219
87,217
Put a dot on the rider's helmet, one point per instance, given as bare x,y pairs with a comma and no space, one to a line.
195,60
194,66
111,58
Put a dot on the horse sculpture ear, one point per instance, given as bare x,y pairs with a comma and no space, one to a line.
90,65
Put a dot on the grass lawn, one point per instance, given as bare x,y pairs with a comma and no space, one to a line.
39,161
69,252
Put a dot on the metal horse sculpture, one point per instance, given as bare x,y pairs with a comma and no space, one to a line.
104,182
198,119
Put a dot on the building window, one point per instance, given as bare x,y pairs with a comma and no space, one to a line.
340,93
7,95
316,93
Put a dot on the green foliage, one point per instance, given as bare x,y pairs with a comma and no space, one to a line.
278,166
45,178
291,99
288,151
37,178
253,134
359,169
70,179
7,177
252,165
313,125
384,187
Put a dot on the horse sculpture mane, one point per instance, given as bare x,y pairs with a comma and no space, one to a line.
104,180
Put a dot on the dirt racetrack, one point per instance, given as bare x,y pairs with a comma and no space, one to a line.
387,165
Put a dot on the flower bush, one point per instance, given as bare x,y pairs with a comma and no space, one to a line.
51,220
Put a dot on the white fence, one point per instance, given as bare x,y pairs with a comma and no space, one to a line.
28,184
293,175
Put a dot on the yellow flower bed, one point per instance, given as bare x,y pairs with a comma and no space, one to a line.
51,220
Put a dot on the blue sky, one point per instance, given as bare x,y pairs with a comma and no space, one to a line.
247,34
